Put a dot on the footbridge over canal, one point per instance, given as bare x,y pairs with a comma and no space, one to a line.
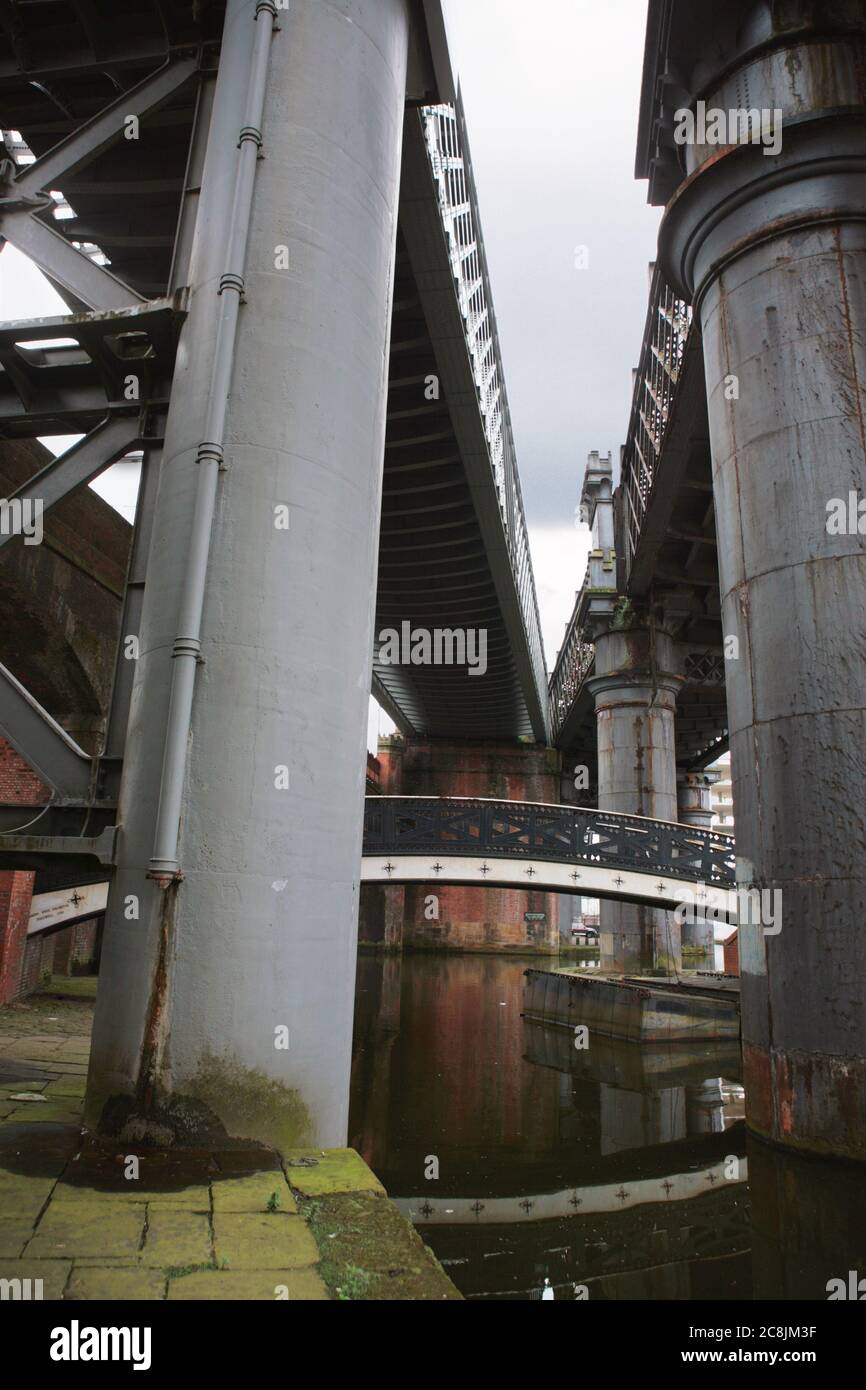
568,849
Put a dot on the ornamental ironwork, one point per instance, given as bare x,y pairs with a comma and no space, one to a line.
573,665
668,322
563,834
705,668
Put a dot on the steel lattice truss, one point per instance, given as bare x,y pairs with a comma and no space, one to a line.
421,825
668,323
448,151
574,662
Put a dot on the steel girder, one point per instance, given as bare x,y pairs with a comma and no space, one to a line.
111,383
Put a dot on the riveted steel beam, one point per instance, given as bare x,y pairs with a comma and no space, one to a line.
77,466
41,742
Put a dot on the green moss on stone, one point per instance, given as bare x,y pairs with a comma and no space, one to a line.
250,1104
369,1251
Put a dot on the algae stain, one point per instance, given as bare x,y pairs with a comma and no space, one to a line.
250,1104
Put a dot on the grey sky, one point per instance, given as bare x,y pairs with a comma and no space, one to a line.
551,92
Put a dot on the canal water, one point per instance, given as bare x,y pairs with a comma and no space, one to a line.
614,1172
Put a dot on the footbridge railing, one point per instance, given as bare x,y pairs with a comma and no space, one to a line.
535,845
574,662
451,166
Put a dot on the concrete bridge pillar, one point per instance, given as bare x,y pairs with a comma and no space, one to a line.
695,807
771,248
635,689
226,998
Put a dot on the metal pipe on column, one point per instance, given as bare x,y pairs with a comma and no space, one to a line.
186,652
257,937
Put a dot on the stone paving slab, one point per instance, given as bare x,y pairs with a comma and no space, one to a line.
273,1284
244,1240
75,1201
65,1233
194,1224
15,1232
22,1198
175,1239
53,1273
116,1285
68,1085
28,1113
260,1192
315,1172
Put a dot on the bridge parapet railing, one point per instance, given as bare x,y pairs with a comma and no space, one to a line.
666,333
451,167
481,827
573,664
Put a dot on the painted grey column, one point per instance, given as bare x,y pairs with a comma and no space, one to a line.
635,689
226,995
772,248
695,807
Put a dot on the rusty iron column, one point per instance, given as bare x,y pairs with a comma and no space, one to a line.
635,688
768,239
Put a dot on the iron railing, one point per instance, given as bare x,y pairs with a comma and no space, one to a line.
665,336
429,825
573,665
451,165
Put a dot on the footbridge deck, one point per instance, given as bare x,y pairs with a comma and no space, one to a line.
567,849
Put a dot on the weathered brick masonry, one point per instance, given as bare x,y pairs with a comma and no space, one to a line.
475,919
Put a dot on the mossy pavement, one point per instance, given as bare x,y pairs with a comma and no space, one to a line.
193,1224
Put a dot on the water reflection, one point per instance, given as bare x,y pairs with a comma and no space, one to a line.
618,1169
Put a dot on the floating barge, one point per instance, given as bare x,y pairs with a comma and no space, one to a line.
635,1009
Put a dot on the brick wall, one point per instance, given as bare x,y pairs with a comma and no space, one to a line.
455,916
75,948
731,949
16,890
19,786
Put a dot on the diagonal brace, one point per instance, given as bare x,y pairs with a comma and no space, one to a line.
23,197
77,466
88,141
41,742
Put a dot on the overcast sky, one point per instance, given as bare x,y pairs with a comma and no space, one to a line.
551,92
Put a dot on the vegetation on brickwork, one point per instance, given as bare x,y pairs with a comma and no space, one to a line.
368,1251
180,1271
623,615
